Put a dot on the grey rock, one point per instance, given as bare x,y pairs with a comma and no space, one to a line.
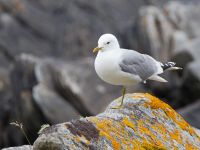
192,78
24,147
154,32
163,31
179,40
54,108
191,113
7,110
37,75
187,52
76,82
127,127
48,84
61,29
184,16
81,78
25,109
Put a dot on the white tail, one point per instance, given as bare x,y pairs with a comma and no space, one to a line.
174,68
157,78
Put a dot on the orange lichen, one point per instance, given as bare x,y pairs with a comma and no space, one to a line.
189,146
116,133
115,144
128,123
149,133
155,103
105,127
113,131
175,135
146,132
152,147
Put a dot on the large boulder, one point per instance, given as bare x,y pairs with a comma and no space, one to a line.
143,122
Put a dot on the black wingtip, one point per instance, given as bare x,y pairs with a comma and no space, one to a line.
167,65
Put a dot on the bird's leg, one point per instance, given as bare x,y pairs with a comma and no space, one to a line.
122,100
123,94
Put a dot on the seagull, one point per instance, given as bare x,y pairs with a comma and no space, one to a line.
125,67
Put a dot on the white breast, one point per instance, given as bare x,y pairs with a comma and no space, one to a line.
108,69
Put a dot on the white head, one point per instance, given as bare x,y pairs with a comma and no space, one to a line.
107,42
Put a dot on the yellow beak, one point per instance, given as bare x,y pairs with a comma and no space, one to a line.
97,49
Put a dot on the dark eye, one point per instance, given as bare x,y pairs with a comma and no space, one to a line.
108,43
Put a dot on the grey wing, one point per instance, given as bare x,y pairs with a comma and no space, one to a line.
138,64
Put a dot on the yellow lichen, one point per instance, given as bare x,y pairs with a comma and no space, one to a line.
128,123
116,133
175,135
189,146
153,147
82,139
155,103
151,135
105,128
146,132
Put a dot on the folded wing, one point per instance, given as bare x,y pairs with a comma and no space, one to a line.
139,64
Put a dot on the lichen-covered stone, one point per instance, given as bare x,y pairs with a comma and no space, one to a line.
144,122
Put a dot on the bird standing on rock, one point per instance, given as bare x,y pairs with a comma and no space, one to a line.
118,66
